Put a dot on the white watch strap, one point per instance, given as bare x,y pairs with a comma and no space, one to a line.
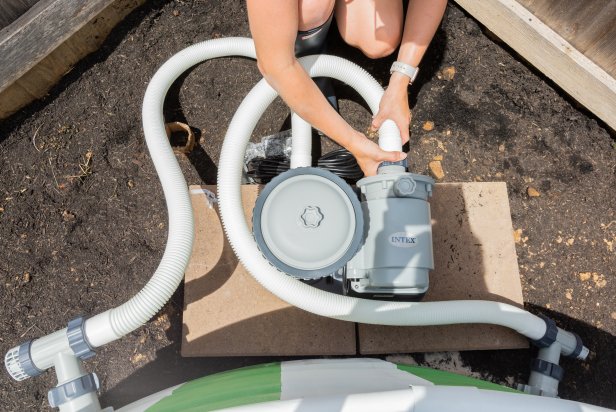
405,69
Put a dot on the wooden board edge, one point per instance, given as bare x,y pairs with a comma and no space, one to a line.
38,80
34,23
550,53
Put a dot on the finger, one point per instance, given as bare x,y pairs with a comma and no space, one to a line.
377,121
393,156
404,131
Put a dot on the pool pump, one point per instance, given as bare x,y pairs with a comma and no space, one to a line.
377,240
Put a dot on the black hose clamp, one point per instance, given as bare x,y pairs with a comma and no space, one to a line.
551,332
75,332
548,369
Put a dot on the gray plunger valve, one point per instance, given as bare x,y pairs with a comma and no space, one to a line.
310,223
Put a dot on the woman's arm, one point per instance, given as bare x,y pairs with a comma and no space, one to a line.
273,24
422,19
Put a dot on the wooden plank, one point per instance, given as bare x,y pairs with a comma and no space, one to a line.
589,26
40,31
10,10
227,313
549,52
31,69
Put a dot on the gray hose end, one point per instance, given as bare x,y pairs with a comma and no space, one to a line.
77,339
72,390
393,167
19,364
583,353
580,352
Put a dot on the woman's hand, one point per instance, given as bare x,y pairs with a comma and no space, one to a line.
369,155
395,106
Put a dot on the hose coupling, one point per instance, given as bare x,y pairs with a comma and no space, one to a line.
77,340
551,333
73,389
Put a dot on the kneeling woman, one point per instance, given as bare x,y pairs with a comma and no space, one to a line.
284,29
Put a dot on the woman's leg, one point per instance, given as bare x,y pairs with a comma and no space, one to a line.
313,13
373,26
315,18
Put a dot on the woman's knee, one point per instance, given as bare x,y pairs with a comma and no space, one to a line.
373,27
382,44
313,13
375,49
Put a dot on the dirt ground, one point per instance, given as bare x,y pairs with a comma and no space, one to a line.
83,222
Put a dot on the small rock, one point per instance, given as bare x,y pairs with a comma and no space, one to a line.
436,169
501,148
570,241
428,126
548,306
163,321
440,146
610,244
528,179
541,265
137,358
568,294
176,13
448,132
599,280
584,276
613,315
448,73
498,174
559,239
532,192
130,184
26,277
517,235
438,157
68,216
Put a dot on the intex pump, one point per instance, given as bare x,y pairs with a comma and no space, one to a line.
309,223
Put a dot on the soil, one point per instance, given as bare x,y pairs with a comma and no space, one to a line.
83,221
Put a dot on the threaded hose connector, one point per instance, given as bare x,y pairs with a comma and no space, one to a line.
18,362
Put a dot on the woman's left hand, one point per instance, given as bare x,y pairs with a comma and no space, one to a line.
395,106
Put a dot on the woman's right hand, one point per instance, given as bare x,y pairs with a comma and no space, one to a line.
369,155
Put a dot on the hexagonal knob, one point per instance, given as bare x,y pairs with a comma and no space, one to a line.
311,217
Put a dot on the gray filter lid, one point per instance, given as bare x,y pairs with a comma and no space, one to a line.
308,222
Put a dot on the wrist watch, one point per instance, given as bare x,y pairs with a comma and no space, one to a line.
405,69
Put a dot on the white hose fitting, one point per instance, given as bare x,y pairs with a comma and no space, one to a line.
301,142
